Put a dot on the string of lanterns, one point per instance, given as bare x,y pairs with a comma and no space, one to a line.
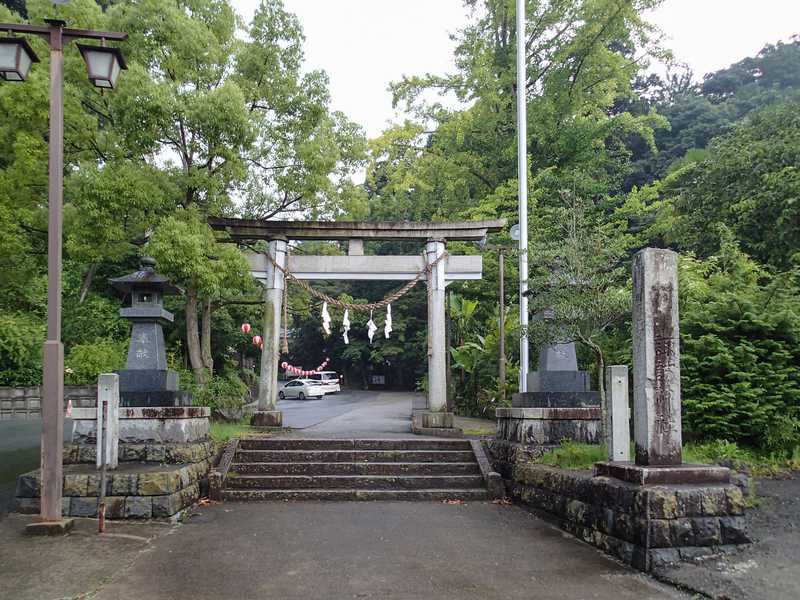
259,343
304,373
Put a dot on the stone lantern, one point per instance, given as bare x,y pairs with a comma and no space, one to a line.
147,381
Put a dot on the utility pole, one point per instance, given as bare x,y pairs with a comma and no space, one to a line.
522,168
502,365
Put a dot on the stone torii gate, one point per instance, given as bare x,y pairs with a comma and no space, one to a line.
358,266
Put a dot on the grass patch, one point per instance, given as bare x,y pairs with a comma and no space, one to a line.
754,462
758,464
222,431
573,456
478,431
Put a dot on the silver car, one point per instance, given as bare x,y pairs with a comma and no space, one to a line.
301,389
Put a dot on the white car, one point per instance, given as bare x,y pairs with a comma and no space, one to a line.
329,380
301,389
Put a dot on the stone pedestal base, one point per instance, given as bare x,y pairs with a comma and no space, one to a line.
674,475
548,426
437,420
142,425
61,527
267,418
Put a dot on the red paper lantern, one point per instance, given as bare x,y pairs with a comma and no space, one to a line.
256,340
245,328
284,364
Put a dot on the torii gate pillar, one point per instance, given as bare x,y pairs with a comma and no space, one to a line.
267,414
436,416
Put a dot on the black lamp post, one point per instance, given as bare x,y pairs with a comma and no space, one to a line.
104,65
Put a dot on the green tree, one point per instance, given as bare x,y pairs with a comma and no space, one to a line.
579,283
186,250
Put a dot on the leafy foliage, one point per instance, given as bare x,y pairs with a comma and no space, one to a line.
84,362
740,333
21,339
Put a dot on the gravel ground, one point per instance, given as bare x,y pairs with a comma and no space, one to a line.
765,570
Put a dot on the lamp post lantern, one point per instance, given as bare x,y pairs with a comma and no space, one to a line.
16,58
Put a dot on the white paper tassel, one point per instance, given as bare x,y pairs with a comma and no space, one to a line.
387,329
326,319
346,325
371,328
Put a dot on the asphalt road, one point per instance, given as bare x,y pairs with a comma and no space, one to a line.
351,413
19,453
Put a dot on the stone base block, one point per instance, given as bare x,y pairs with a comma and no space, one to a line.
560,381
573,399
267,418
139,425
444,432
437,420
61,527
646,526
133,491
679,474
548,426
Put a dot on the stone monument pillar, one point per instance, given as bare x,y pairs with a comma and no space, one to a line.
436,416
147,381
656,358
657,380
267,414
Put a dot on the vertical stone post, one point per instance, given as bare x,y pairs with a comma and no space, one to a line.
618,430
437,415
267,415
656,358
108,422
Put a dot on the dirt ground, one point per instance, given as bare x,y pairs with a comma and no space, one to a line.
767,569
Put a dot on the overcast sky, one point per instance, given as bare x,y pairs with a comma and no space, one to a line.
365,44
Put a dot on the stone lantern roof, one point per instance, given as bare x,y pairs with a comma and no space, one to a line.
145,278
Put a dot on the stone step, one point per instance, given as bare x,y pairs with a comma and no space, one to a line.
476,494
356,468
382,456
334,444
370,482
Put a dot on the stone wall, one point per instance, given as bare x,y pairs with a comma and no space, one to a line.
25,402
138,492
647,527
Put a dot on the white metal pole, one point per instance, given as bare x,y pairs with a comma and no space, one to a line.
522,168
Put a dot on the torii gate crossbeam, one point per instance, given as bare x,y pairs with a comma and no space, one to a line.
357,266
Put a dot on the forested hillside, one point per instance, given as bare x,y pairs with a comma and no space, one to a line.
208,122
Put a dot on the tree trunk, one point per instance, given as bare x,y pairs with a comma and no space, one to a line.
87,282
601,384
205,339
193,336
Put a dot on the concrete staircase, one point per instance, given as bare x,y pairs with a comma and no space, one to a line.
388,469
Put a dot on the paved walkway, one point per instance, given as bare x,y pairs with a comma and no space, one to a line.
382,550
319,550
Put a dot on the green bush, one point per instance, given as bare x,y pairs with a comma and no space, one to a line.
21,337
223,391
85,362
740,334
